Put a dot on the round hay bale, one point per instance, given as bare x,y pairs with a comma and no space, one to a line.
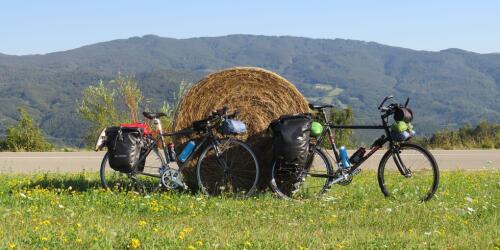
260,95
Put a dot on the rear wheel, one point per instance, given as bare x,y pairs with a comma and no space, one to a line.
293,182
421,180
230,168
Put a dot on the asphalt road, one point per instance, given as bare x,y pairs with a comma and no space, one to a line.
90,161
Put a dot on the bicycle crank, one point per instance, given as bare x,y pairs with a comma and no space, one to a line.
172,179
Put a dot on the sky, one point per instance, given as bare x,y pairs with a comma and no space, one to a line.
38,27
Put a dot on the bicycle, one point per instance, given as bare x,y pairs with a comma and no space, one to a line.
412,172
216,171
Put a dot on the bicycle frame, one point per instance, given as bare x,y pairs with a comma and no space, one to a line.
208,139
379,143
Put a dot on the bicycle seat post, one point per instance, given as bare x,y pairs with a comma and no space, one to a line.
159,129
157,123
324,115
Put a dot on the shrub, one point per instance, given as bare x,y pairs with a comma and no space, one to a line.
25,136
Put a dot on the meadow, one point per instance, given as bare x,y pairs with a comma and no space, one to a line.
68,211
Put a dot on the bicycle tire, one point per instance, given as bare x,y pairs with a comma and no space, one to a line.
422,184
233,180
287,183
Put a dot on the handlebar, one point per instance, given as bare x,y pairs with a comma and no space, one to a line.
391,106
385,99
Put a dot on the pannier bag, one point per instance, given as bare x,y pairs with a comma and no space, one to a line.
124,148
403,114
291,134
233,127
147,131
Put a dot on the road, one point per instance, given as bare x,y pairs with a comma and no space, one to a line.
90,161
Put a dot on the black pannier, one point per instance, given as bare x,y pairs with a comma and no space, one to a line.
291,134
124,148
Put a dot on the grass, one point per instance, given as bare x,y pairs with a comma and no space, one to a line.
72,211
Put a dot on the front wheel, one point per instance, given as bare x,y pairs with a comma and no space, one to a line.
228,168
408,172
294,182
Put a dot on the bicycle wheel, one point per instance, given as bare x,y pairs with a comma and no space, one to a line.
230,168
291,182
422,179
135,181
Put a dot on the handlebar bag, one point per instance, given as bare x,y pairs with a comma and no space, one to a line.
291,134
124,148
200,126
403,114
233,127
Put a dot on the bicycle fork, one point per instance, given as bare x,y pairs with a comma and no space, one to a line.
406,172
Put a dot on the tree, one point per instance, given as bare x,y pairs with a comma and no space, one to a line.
130,94
99,105
26,136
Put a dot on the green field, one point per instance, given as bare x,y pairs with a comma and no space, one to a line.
70,211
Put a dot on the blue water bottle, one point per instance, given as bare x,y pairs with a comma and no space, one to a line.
188,149
344,157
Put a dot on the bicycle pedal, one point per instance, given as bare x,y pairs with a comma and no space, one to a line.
356,171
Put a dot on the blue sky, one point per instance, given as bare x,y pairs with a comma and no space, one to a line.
28,27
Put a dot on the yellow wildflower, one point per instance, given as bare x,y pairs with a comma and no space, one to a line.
134,243
12,245
190,247
184,232
247,243
339,246
79,241
142,223
44,239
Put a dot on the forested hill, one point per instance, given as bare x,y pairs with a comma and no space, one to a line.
448,88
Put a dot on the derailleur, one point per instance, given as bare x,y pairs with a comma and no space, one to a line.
171,179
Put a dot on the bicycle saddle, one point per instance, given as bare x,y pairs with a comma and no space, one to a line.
319,106
153,115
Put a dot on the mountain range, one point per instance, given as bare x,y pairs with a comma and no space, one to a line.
447,88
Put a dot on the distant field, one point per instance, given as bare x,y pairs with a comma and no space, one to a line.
71,211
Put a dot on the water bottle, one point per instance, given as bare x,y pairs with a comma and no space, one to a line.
343,157
171,152
188,149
